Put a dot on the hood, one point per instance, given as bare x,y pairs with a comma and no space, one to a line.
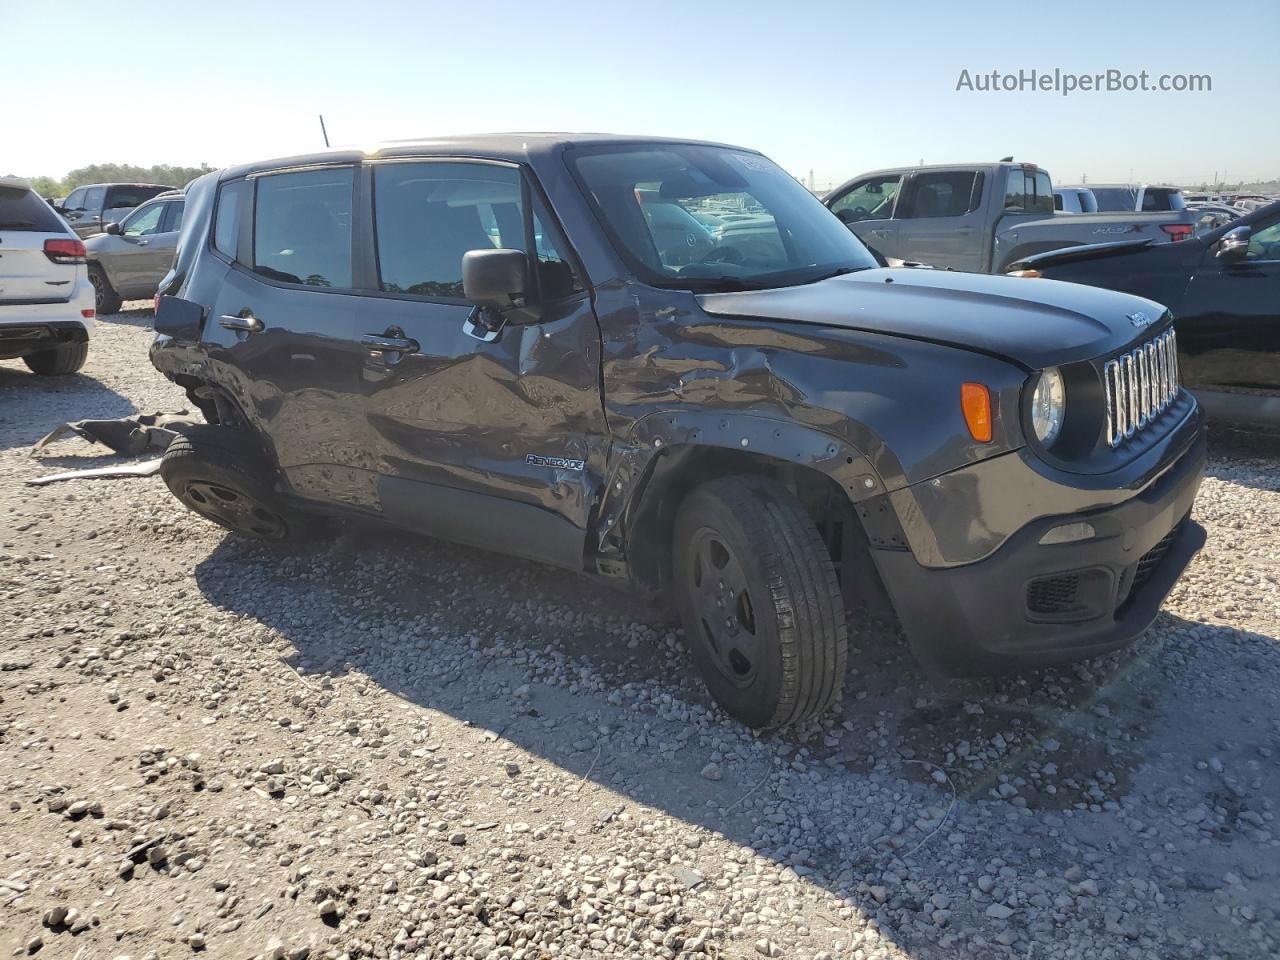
1037,323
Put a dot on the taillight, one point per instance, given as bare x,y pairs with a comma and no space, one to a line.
64,251
155,304
1178,231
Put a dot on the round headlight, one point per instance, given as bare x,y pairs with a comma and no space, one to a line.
1048,405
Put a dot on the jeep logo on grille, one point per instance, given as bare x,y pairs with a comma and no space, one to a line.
1139,319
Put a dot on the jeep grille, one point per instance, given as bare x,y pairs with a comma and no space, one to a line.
1140,386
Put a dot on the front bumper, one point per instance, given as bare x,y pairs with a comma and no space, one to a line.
1029,604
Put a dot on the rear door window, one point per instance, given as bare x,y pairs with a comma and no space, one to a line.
943,194
93,199
173,217
23,210
302,227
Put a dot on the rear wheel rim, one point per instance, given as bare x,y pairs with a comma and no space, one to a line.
234,509
725,622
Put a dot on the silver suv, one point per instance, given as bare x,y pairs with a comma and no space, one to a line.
90,208
128,261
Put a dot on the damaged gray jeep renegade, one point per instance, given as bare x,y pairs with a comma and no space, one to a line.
665,362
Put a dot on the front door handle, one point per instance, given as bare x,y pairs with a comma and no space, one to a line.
390,344
245,321
144,243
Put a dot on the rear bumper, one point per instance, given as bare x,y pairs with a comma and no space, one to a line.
1029,604
23,333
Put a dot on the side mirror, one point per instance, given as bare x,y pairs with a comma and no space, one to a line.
1234,244
497,281
847,217
112,228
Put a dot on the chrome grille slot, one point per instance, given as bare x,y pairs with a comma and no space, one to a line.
1140,385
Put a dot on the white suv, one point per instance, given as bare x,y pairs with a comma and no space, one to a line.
46,299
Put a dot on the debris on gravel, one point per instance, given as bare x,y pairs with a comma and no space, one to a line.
379,746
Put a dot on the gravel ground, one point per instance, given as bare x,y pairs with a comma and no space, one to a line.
393,747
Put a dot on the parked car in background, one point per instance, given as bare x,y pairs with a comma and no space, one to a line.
979,217
46,302
90,208
1210,216
765,433
1224,289
1116,197
1074,200
128,260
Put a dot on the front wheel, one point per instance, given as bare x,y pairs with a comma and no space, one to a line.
762,608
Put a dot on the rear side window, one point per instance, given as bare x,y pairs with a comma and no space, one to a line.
93,199
944,194
302,227
126,195
22,209
233,206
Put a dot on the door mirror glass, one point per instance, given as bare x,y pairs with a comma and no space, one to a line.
112,228
1234,244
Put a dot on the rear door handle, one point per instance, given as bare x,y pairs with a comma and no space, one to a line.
246,321
390,344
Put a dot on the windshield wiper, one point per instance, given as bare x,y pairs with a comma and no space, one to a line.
16,224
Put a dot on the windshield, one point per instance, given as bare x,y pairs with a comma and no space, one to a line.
711,218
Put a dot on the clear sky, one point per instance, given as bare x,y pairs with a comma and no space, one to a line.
836,87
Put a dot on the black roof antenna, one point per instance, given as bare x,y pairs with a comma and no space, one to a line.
323,131
1008,159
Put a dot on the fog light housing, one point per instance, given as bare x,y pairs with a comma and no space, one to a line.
1070,533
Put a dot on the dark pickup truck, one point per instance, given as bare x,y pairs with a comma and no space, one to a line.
495,340
981,217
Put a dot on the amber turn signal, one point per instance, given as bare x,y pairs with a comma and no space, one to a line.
1023,273
975,401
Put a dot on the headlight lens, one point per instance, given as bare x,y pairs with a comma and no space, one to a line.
1048,405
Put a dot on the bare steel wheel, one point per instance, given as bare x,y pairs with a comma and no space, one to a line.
233,509
761,606
722,601
217,473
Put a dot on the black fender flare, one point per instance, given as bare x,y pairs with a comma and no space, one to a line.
665,433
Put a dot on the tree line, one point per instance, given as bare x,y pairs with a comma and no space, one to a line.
117,173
